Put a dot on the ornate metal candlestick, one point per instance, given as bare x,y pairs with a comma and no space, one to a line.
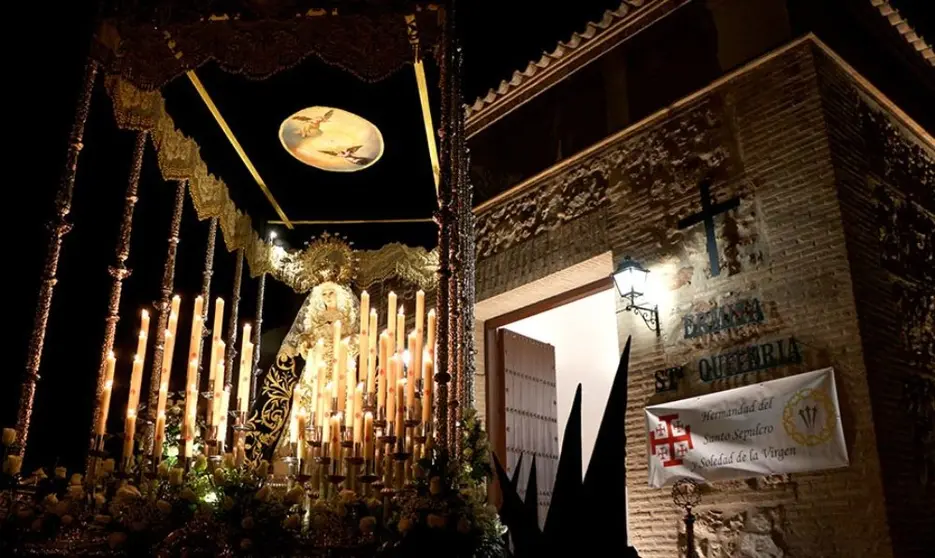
686,494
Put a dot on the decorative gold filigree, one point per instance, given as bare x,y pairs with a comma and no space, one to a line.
412,264
179,158
327,258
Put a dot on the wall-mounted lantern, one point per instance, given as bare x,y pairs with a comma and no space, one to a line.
630,279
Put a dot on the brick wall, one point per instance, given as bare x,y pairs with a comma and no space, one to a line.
886,178
761,134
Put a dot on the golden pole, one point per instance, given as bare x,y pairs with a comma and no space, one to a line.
206,285
413,32
162,308
203,93
58,228
118,272
232,321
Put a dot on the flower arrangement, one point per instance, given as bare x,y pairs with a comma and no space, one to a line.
218,508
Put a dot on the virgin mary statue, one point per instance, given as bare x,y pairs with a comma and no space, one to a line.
325,305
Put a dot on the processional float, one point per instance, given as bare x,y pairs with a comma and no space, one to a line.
368,447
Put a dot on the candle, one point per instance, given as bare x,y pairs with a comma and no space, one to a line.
411,373
246,366
218,320
247,377
294,414
364,312
163,391
215,339
128,433
428,386
191,404
391,321
326,412
301,424
136,380
381,384
336,436
144,333
215,382
160,437
336,339
420,309
351,386
341,375
191,378
322,395
358,413
311,368
320,360
401,330
104,402
416,355
368,435
430,334
372,354
222,417
400,413
194,342
174,309
391,401
363,347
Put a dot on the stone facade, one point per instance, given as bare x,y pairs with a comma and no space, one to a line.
832,233
886,180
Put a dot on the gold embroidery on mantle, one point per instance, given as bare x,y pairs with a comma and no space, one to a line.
179,157
271,409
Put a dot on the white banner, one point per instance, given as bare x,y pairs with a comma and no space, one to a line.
783,426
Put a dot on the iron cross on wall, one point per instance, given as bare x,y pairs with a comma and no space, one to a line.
706,216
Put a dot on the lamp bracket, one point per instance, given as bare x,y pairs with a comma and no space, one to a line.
650,315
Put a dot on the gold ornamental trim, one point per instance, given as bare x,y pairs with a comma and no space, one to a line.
326,258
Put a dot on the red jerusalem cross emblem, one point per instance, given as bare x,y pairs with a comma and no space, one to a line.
670,440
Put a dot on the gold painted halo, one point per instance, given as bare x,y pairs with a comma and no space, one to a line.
331,139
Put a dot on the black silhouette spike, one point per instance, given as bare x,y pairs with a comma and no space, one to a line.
532,495
524,534
565,509
605,484
514,482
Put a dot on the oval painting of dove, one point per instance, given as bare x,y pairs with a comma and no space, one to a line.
331,139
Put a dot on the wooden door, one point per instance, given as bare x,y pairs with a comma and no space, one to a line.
530,404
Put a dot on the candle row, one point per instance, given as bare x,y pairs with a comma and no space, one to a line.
381,385
217,410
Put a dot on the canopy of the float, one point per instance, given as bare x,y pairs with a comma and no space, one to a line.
371,40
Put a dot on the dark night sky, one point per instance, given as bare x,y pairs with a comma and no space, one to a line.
43,73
